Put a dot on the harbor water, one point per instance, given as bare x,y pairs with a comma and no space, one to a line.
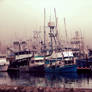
64,80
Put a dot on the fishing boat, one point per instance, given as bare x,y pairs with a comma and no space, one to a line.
19,60
36,64
4,63
65,63
61,60
81,52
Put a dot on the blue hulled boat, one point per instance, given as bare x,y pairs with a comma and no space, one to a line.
65,63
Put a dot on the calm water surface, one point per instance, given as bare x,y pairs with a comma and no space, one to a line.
67,80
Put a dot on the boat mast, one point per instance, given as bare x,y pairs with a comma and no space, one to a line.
56,35
51,34
56,25
66,33
44,30
56,22
82,40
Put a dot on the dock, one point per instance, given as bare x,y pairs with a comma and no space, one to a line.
5,88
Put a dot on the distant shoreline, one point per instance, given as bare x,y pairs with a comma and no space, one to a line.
5,88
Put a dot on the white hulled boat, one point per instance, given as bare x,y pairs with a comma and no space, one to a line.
4,63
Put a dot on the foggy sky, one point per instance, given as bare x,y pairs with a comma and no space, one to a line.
18,18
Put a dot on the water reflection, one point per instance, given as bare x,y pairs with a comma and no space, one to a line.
61,80
65,80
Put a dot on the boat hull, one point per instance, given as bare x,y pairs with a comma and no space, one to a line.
84,64
66,68
37,68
